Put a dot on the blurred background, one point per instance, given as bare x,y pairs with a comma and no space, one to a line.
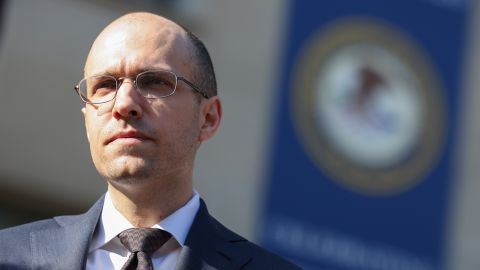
349,138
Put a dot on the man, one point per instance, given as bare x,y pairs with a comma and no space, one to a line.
150,101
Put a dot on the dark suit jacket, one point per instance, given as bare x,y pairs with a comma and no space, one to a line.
62,243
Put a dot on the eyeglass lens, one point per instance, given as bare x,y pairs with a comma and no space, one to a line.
150,84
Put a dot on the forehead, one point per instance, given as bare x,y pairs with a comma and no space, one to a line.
126,48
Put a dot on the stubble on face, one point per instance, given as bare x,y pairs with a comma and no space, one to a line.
131,165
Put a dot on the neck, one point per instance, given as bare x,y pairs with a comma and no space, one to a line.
144,205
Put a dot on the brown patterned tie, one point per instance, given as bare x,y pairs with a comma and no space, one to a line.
142,243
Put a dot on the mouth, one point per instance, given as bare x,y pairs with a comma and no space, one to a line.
127,137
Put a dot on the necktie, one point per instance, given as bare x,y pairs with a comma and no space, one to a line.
142,243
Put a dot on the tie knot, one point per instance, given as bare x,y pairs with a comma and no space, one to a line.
146,240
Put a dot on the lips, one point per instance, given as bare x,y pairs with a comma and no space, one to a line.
127,135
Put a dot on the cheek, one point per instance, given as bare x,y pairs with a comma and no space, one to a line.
180,118
92,124
178,127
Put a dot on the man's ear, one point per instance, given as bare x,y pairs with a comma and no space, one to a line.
84,112
211,115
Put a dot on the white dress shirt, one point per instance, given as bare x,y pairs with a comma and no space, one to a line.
107,253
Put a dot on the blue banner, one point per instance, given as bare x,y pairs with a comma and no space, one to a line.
365,135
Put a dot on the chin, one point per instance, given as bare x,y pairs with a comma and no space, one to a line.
128,170
129,178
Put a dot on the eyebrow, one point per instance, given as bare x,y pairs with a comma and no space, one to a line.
115,74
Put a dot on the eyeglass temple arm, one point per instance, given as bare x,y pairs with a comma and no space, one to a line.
77,90
194,87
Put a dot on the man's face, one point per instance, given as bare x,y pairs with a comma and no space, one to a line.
133,138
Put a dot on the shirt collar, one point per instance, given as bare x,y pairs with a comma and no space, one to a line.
112,222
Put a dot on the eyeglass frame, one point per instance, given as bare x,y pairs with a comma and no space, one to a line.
119,82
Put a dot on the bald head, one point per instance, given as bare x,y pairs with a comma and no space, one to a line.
147,32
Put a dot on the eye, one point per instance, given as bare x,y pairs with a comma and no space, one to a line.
156,83
103,86
155,80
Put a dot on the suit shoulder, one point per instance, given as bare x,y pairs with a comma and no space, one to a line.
263,258
39,225
24,230
28,227
271,260
15,243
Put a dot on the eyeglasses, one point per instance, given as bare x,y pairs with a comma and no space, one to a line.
152,84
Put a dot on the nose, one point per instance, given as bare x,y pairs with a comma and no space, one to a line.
127,103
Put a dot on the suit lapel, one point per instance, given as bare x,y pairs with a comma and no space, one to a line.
66,246
189,259
209,245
